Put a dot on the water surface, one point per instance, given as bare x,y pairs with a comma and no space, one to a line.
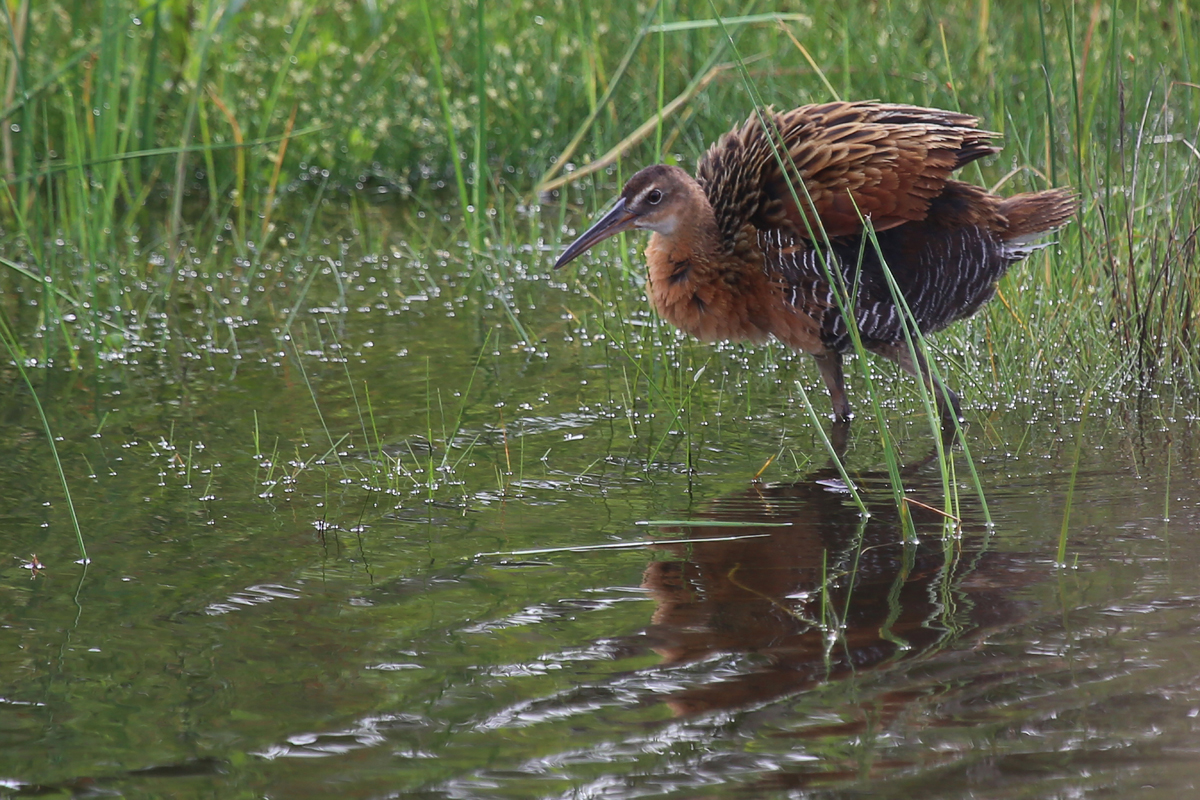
406,549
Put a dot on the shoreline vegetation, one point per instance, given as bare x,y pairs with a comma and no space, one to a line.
137,137
168,165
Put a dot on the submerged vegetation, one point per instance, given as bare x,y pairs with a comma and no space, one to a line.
214,178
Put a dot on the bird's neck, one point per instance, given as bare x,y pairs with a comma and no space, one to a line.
705,288
688,254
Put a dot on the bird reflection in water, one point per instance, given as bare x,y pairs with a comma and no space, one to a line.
812,591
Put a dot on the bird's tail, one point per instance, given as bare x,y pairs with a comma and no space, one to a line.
1032,214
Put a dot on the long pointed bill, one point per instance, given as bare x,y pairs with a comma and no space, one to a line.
612,223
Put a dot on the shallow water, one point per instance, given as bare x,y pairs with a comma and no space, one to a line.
396,554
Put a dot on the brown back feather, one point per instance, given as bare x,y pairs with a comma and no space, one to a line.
885,161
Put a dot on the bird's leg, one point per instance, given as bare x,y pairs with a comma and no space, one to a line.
830,365
947,401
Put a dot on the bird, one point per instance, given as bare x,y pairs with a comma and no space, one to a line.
786,227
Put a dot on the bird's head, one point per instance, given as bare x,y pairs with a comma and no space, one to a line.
655,199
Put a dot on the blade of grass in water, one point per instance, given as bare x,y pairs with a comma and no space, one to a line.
18,359
588,548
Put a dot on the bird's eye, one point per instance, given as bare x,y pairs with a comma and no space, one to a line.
654,197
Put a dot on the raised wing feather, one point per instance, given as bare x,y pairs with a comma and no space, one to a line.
886,161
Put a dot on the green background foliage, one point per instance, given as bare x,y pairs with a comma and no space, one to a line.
136,134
